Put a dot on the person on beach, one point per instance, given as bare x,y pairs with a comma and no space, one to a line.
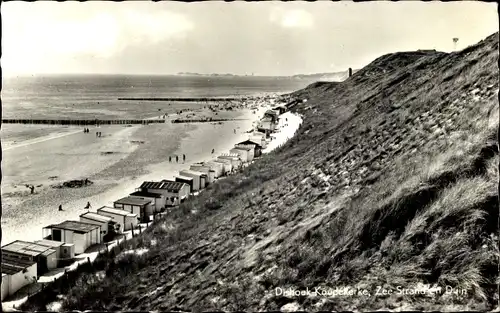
96,134
183,158
86,181
170,159
60,207
235,131
88,206
213,150
177,158
32,188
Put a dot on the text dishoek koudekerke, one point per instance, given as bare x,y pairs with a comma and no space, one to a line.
320,291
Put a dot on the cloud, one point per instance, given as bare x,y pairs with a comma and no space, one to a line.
292,18
31,40
156,27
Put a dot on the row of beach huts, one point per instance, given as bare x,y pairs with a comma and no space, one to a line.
24,262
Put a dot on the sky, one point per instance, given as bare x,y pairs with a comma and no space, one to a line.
264,38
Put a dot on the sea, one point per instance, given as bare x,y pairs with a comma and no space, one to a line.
96,96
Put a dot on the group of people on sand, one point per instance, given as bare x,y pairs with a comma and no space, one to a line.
87,130
87,207
177,158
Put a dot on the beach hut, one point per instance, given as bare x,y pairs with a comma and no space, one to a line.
124,219
108,226
16,273
255,145
157,200
196,176
246,152
186,180
218,168
64,251
272,115
266,126
203,181
280,109
233,157
5,286
259,138
45,257
204,169
82,235
136,205
227,166
173,192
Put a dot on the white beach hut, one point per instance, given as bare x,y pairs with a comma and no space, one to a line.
105,222
157,200
218,168
204,169
245,153
227,166
82,235
124,219
17,273
196,176
186,180
233,157
64,251
136,205
45,257
252,148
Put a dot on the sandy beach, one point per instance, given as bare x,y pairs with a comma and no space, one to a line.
116,163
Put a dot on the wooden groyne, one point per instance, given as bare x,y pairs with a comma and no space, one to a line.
207,120
185,99
81,122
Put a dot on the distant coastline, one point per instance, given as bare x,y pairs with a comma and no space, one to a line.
326,75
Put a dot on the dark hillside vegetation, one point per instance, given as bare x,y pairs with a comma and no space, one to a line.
391,181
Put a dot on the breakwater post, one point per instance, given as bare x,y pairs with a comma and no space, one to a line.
81,122
184,99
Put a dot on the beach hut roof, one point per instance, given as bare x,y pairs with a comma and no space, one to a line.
194,172
11,265
184,177
26,248
250,143
115,211
172,185
77,227
133,201
254,142
49,243
96,217
146,194
201,166
246,148
271,112
164,184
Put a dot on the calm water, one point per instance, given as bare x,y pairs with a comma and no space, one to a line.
90,96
